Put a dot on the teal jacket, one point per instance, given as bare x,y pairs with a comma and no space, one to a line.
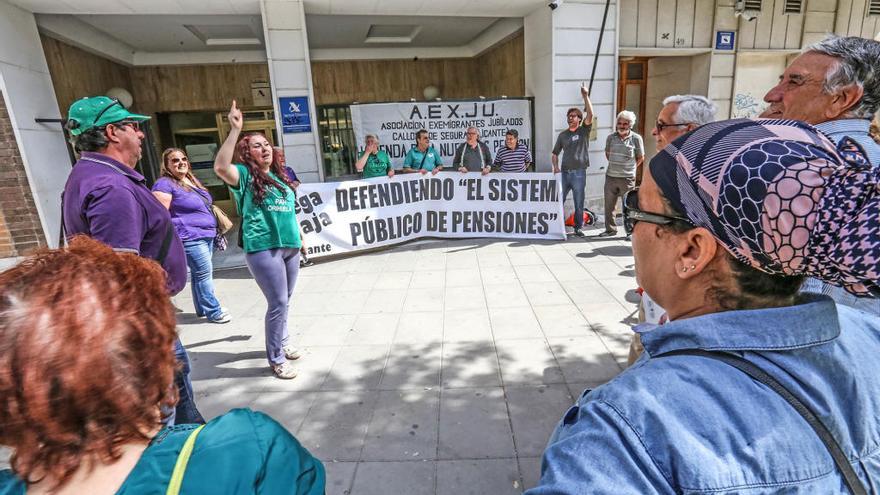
240,452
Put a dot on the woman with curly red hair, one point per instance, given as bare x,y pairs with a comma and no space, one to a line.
270,233
91,421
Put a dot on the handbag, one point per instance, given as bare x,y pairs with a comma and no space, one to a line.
224,224
182,460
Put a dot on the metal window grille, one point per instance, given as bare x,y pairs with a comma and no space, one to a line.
753,5
793,6
874,7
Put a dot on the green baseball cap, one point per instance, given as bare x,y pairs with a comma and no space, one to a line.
97,111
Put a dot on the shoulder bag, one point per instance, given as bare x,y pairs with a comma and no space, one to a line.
182,460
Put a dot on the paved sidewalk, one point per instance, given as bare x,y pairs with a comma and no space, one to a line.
437,367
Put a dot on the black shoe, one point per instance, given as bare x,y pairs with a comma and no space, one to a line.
628,238
607,234
304,262
578,232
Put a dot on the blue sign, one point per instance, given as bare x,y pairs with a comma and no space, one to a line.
724,40
295,114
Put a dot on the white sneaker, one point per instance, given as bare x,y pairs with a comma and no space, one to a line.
291,352
284,371
223,318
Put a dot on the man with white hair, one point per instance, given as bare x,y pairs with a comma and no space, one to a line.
625,152
680,114
834,85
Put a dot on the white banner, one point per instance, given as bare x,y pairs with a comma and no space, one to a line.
339,217
396,124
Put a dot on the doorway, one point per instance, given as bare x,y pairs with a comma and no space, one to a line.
631,88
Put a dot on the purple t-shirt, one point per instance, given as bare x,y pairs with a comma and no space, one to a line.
110,202
190,214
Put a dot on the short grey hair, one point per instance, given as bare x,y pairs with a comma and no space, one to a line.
692,109
371,136
628,116
858,62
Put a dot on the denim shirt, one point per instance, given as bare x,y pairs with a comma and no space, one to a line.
689,424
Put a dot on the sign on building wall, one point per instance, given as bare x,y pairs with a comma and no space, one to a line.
295,114
340,217
724,40
396,124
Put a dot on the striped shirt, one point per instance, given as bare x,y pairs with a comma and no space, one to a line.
513,160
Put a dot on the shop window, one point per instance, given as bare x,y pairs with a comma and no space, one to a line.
338,144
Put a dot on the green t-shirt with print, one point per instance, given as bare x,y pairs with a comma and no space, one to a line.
378,165
273,223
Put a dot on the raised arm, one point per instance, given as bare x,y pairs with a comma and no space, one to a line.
588,105
223,161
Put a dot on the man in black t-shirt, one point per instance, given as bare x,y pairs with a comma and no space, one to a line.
574,145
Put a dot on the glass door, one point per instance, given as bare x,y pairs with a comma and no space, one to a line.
631,87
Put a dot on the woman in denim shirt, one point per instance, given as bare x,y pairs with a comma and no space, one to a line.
725,226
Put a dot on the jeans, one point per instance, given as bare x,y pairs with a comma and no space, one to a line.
615,188
575,181
185,412
198,258
275,271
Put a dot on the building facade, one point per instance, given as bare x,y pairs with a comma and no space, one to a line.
183,63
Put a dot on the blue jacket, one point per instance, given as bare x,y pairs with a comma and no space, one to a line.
689,424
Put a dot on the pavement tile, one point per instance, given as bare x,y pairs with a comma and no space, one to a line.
325,330
469,364
463,277
509,295
428,279
412,366
534,414
459,298
527,362
404,426
545,293
568,271
562,321
467,325
478,477
523,257
312,369
533,273
359,281
503,274
474,425
336,425
514,323
385,301
288,408
418,300
530,468
373,329
584,359
383,478
393,280
340,476
420,327
357,368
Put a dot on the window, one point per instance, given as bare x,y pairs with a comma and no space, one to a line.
753,5
793,7
338,145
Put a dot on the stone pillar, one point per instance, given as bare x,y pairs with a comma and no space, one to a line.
560,47
723,65
290,74
40,164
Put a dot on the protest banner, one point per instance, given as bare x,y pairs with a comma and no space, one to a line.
341,217
396,124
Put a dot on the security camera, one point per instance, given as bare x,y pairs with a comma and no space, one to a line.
554,3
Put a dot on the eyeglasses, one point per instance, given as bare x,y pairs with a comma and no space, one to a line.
130,123
660,125
633,215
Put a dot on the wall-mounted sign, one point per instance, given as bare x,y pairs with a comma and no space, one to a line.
295,114
724,40
261,93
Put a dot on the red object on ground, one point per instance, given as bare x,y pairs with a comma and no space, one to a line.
589,219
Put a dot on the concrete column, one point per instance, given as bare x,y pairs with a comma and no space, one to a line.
560,46
723,65
290,74
26,86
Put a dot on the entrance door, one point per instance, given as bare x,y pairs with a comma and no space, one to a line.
631,88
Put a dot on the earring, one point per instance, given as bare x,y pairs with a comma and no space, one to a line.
684,269
693,267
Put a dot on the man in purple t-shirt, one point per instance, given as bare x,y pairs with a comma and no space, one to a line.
108,200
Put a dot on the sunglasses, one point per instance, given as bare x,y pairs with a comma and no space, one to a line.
660,125
108,107
633,215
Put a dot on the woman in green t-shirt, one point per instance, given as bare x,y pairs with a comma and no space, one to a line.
270,233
